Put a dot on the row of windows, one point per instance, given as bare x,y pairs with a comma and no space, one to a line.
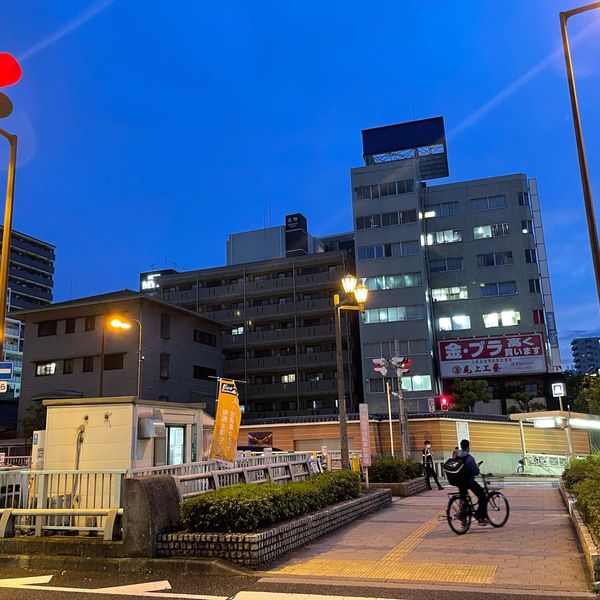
458,292
480,232
115,361
386,219
393,313
444,209
505,318
440,265
490,259
391,188
392,282
111,362
48,328
291,377
500,288
396,347
388,250
412,383
446,236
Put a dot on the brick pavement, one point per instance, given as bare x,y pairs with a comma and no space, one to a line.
411,541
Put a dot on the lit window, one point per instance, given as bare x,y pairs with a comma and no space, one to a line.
487,231
394,313
456,322
43,369
237,330
446,236
506,318
450,293
288,378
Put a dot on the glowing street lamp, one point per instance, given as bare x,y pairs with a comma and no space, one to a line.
118,323
356,296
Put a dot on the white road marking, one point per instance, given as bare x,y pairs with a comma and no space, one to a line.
288,596
21,581
138,589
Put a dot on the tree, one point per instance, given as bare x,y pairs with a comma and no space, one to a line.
33,419
525,403
469,391
573,383
589,394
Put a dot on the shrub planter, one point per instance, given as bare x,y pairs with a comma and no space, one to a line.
587,540
257,549
406,488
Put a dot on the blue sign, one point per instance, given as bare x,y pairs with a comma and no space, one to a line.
6,371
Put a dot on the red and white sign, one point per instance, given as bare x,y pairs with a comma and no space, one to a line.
486,357
365,437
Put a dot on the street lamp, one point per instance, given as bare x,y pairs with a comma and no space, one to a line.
10,73
117,323
585,179
356,296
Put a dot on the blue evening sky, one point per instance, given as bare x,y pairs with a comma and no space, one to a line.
150,130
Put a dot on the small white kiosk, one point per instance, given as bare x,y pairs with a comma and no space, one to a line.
121,433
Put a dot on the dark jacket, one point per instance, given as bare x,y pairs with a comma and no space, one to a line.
470,464
427,458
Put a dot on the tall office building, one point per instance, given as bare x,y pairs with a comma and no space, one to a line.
457,272
586,354
30,284
276,293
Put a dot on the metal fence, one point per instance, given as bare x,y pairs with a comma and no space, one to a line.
196,484
60,501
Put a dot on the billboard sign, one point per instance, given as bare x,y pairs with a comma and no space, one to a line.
227,422
493,356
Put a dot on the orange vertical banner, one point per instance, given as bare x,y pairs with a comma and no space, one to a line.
227,422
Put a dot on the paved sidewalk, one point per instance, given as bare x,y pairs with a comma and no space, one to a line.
411,542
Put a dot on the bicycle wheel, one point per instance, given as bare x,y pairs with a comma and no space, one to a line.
459,515
497,509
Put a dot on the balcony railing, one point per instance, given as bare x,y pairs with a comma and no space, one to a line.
305,360
317,332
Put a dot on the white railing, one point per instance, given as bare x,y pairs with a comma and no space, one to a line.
60,501
195,484
250,459
17,461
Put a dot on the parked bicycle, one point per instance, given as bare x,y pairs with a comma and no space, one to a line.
461,509
521,466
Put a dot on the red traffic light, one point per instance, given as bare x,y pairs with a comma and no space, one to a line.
10,70
444,402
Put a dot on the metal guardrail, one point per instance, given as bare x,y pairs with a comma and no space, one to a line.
16,461
199,483
60,500
207,466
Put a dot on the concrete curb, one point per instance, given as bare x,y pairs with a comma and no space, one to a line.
586,539
404,489
166,566
259,548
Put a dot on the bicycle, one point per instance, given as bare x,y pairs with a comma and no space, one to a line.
460,509
521,466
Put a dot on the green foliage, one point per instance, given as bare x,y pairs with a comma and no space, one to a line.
587,493
33,419
573,381
582,477
580,469
589,394
469,391
394,470
525,403
249,507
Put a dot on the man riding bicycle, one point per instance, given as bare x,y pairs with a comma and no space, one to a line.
471,471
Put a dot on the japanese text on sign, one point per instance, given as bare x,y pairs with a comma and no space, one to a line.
478,357
365,438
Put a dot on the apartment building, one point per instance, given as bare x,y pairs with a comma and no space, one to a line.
586,355
30,284
280,309
165,352
457,272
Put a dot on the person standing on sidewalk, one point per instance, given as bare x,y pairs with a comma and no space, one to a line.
428,466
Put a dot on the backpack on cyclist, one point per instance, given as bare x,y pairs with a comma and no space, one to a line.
455,470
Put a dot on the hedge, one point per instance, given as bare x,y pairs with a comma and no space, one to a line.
394,470
249,507
582,477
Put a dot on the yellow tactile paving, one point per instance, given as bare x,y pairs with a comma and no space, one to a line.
392,571
392,567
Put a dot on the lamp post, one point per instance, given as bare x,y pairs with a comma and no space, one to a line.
583,168
117,323
355,298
